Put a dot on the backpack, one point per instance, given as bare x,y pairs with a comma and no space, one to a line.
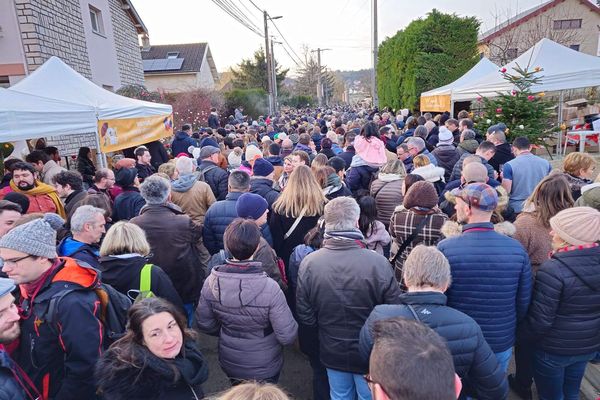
113,307
145,290
113,312
221,257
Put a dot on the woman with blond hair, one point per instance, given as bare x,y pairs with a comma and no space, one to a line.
254,391
429,172
124,265
296,211
579,171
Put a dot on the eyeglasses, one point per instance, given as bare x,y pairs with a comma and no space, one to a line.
371,383
12,262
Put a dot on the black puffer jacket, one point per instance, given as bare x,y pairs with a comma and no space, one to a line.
123,272
9,387
473,358
447,156
503,155
338,287
118,380
564,316
216,177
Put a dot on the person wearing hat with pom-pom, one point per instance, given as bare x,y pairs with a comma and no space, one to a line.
58,353
563,320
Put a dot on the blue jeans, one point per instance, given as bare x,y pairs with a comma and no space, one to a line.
504,359
559,377
347,386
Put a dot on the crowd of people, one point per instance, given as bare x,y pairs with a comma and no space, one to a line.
407,256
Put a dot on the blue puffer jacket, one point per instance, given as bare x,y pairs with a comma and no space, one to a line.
218,217
473,359
360,177
491,281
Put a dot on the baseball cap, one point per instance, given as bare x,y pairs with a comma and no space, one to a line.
478,195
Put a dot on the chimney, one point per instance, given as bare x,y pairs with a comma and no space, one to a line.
145,42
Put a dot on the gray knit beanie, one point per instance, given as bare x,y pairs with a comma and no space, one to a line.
36,238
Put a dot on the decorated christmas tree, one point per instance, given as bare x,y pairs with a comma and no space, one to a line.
524,113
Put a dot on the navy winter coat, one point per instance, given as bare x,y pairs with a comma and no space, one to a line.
564,316
128,204
360,177
10,389
87,253
347,155
264,188
491,281
181,143
473,359
216,177
218,217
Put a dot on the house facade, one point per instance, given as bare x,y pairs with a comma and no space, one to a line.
97,38
572,23
177,68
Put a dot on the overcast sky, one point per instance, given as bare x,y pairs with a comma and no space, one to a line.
344,26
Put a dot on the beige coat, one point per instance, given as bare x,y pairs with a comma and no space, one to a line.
195,201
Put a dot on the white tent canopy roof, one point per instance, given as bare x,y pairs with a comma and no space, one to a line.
55,100
482,68
563,69
56,80
23,116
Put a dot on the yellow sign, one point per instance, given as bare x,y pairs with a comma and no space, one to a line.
439,103
118,134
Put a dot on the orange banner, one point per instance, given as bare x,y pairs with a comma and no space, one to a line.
439,103
118,134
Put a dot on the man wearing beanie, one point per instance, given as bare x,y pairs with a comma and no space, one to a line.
417,221
254,207
445,153
129,202
42,197
58,352
261,182
215,176
562,321
491,272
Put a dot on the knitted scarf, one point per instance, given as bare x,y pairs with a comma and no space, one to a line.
41,189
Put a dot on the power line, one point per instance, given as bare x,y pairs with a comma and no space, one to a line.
240,13
285,40
289,55
257,7
246,8
244,22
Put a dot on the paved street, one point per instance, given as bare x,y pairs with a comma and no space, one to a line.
295,377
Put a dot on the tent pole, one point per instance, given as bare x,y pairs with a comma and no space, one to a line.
101,156
560,107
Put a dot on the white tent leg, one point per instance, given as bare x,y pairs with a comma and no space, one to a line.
101,156
560,107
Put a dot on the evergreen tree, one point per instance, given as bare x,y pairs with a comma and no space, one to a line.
524,113
252,73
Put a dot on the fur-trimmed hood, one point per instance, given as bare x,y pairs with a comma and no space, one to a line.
430,173
453,228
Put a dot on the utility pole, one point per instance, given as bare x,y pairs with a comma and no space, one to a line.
320,81
374,71
268,60
274,73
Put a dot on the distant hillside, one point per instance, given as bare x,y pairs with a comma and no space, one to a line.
357,80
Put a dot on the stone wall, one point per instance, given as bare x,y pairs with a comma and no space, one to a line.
53,28
129,55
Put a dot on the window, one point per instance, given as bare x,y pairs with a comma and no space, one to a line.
4,82
567,24
108,87
172,54
96,19
574,47
511,53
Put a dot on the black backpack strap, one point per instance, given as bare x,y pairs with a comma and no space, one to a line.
410,239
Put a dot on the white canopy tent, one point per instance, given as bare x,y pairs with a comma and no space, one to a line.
24,116
563,69
56,100
436,98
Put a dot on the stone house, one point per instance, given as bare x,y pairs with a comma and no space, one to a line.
97,38
572,23
176,68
